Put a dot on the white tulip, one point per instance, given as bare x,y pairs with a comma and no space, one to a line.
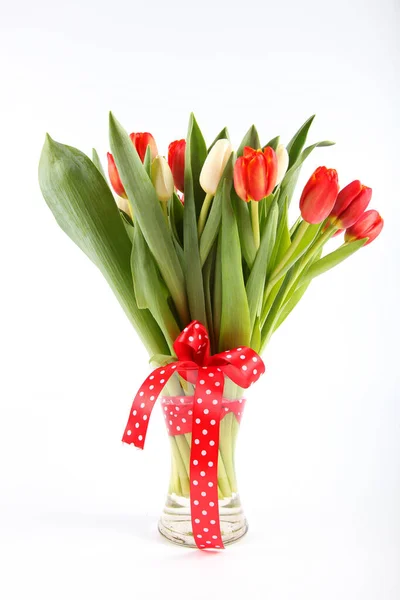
283,162
162,178
214,166
123,205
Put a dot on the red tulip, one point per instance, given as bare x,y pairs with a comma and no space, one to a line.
176,161
141,141
350,204
369,225
114,177
319,195
255,173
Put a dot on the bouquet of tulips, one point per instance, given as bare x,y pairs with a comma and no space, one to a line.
204,235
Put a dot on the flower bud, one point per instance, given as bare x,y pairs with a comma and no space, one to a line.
283,162
214,166
254,175
319,195
114,177
369,225
162,179
141,141
350,204
176,160
123,205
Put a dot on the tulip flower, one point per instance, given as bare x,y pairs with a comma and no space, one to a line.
176,160
255,173
319,195
350,204
211,174
283,162
141,141
114,177
369,225
162,179
214,166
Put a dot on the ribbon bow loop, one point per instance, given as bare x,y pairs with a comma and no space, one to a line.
244,367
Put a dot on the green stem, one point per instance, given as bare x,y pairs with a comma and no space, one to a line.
255,221
203,213
165,211
277,273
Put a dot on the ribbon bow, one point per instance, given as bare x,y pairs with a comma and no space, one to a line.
194,363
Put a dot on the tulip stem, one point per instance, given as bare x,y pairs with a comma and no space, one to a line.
255,221
203,213
165,210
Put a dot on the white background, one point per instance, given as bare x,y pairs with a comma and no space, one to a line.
318,457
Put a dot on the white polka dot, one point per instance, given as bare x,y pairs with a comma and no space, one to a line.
239,349
170,422
129,432
151,387
244,368
254,359
151,377
213,421
197,520
197,442
162,372
214,537
229,356
171,413
208,542
215,546
191,338
173,367
204,493
212,522
144,417
141,393
211,464
165,408
204,432
217,384
226,409
182,400
196,502
183,420
140,437
134,413
142,405
162,380
202,382
204,452
255,371
212,443
198,421
152,398
178,428
212,504
199,400
203,473
199,535
215,402
137,425
190,412
208,392
205,529
210,484
195,462
177,408
206,411
195,482
185,330
242,356
211,374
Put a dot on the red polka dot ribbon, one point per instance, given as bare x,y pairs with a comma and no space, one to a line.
194,364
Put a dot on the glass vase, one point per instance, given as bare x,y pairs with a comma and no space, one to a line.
175,522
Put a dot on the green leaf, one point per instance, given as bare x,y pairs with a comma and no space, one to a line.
289,306
217,292
331,260
250,139
243,219
97,162
84,207
256,282
297,142
223,135
193,273
208,271
255,342
149,214
176,218
309,236
150,290
127,224
235,317
273,143
213,222
198,152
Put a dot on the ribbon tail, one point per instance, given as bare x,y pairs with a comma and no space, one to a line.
136,427
207,406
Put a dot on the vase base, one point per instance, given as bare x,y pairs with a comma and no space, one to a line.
175,522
